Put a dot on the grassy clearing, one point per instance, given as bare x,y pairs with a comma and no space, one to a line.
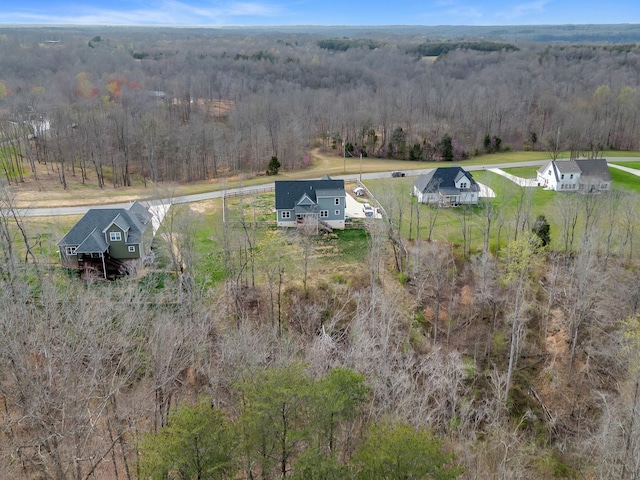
44,233
625,180
522,172
250,220
342,248
634,165
616,153
48,190
510,198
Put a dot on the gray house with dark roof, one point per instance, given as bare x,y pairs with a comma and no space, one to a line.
585,175
108,239
322,200
447,187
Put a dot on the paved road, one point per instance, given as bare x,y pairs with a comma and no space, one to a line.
162,203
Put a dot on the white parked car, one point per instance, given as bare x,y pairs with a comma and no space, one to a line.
368,210
358,191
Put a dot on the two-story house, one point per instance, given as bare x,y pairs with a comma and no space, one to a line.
108,239
447,187
323,200
584,175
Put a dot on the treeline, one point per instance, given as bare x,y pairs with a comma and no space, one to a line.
432,353
344,44
143,102
442,48
291,425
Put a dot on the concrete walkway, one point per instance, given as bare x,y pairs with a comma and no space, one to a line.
625,169
485,192
523,182
532,182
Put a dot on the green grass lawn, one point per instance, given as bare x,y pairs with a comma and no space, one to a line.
43,234
348,247
634,165
523,172
250,220
510,198
624,180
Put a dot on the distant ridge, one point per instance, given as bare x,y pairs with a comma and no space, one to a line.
569,33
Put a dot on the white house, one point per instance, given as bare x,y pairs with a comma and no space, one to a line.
446,186
585,176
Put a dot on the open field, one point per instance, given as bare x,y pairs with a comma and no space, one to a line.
47,190
510,198
257,210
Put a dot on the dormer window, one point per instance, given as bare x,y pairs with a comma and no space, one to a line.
463,185
115,236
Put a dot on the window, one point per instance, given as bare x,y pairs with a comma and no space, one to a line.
337,212
337,201
132,249
115,236
463,185
324,213
70,250
562,176
286,214
571,176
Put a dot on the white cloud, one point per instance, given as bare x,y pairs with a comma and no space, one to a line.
463,12
167,12
523,10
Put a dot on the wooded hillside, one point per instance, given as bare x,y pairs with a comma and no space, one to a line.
480,342
140,105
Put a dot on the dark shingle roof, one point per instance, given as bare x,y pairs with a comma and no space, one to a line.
289,192
591,167
88,232
595,167
443,178
121,222
94,243
567,166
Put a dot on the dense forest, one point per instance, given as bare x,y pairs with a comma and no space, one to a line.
470,343
189,105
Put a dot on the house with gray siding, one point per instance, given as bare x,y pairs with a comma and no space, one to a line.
109,240
322,200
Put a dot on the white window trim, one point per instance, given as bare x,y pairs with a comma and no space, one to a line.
132,249
337,201
337,212
70,250
115,236
324,213
286,214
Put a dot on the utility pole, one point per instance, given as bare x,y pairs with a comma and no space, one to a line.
344,157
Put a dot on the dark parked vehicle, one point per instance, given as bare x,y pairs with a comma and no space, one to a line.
397,174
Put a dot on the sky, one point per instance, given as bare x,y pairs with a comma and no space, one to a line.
318,12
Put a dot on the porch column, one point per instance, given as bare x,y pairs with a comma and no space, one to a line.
104,266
